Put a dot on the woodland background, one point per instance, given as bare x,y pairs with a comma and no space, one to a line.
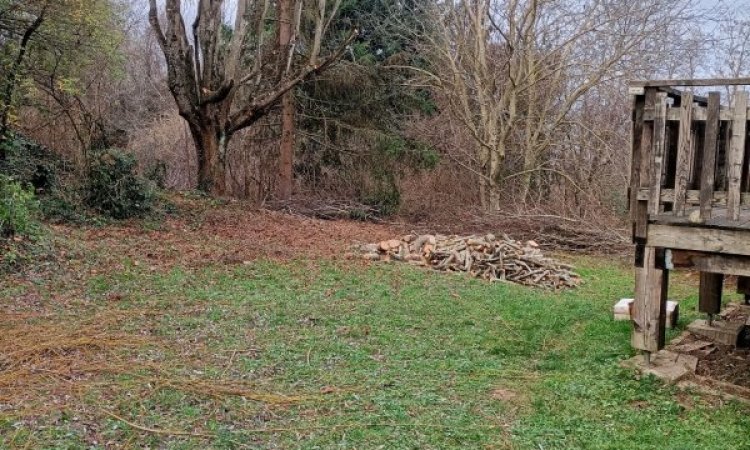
436,111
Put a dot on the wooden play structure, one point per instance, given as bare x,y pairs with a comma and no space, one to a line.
689,194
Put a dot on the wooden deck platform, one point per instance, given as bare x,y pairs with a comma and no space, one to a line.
689,194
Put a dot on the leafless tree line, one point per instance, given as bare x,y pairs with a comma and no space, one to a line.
531,94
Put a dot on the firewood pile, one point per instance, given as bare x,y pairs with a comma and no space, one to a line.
487,257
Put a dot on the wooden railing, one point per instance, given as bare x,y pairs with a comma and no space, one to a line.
689,154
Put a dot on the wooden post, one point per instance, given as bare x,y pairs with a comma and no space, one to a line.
708,170
736,154
684,153
743,287
709,294
650,305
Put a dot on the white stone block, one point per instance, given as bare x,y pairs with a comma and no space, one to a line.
623,311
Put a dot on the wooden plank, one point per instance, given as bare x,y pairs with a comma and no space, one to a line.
736,155
709,154
684,153
709,262
711,240
658,148
649,307
639,102
741,81
640,214
709,292
699,114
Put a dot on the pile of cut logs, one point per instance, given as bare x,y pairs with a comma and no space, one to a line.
487,256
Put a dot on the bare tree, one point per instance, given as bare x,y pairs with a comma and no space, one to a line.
286,143
224,78
513,70
11,79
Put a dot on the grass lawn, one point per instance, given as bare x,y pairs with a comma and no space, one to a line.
333,354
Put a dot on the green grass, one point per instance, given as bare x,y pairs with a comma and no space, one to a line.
382,356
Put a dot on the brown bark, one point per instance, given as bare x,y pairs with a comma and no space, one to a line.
215,92
210,145
12,77
286,145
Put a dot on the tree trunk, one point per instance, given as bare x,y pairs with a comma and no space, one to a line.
493,187
210,144
529,164
286,146
6,100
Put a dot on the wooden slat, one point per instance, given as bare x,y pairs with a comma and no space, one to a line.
684,153
649,307
701,239
736,155
639,102
709,292
709,154
640,214
693,82
657,152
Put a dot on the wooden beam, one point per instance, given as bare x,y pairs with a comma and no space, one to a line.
709,292
671,92
702,239
692,197
684,153
709,262
742,81
649,307
699,114
736,155
657,152
710,143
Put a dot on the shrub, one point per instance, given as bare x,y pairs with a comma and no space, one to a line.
17,206
114,188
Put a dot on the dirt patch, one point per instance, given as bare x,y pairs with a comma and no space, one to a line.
504,395
234,233
728,364
723,363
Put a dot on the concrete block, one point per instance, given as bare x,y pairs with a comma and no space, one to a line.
720,332
668,366
623,311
